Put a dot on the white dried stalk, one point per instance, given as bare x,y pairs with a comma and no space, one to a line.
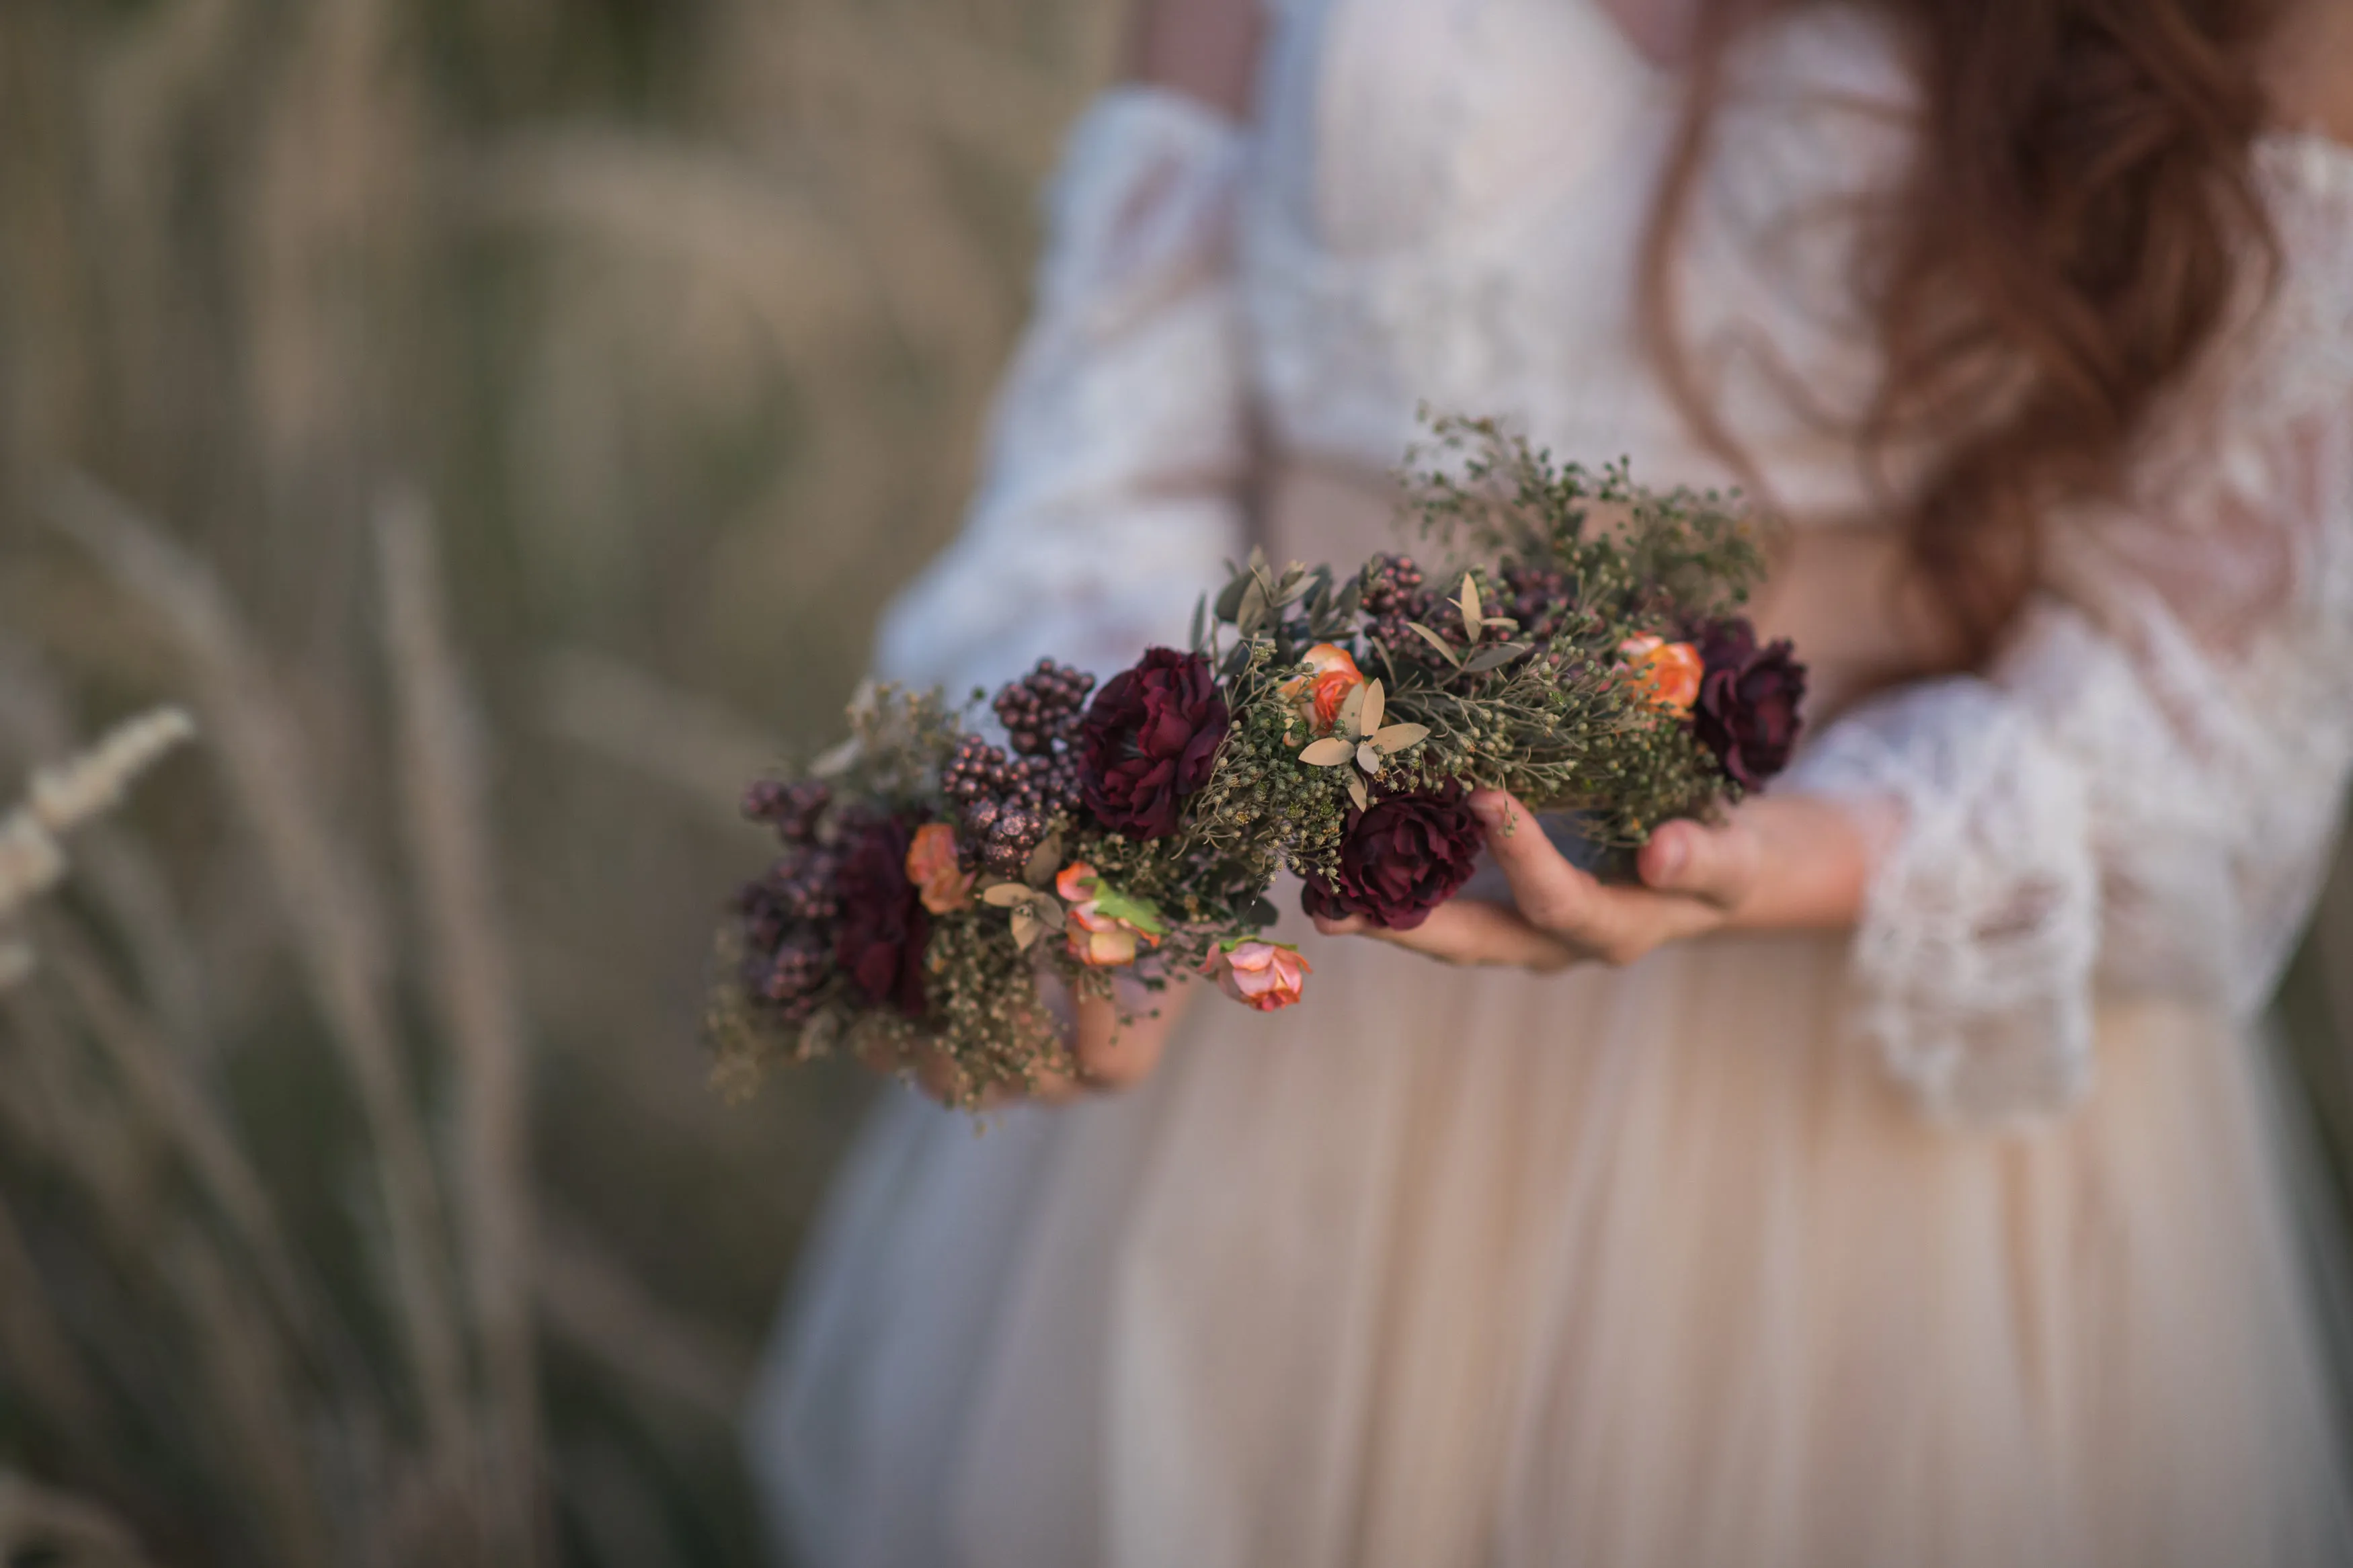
65,796
337,932
70,794
443,793
117,871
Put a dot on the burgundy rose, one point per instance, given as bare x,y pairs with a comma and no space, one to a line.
1148,740
1748,711
884,926
1401,860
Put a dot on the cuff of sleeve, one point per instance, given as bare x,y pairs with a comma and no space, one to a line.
1973,964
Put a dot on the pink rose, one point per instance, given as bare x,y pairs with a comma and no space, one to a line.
1104,927
1262,975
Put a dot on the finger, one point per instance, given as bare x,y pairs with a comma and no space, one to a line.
1551,894
1110,1056
1474,931
1720,866
1355,925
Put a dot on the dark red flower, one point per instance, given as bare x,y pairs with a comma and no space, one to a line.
884,926
1749,698
1401,859
1149,739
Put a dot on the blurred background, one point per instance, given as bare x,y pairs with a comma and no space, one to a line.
498,421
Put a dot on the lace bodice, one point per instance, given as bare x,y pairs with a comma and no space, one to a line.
1440,202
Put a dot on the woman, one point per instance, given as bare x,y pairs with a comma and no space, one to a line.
1901,1187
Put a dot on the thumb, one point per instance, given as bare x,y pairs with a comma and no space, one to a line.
1717,864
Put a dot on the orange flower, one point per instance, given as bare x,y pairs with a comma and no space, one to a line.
1669,671
1320,693
1263,975
1105,926
946,887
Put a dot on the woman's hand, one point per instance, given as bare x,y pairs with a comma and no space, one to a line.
1106,1055
1782,863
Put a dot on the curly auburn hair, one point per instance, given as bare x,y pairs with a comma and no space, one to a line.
2073,233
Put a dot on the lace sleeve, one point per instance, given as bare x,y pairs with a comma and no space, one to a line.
2140,796
1119,439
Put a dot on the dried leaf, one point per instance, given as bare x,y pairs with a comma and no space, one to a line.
1027,929
1368,757
1368,716
1440,643
1396,738
1044,861
1357,792
1005,895
1469,604
1350,707
1329,753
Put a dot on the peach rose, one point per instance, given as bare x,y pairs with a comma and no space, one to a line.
1262,975
1106,927
1669,671
945,886
1320,693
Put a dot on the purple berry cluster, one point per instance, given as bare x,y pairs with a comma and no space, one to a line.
1539,599
1006,804
790,915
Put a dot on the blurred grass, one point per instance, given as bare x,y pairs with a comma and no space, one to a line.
501,419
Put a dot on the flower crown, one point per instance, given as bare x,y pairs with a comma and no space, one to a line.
1583,649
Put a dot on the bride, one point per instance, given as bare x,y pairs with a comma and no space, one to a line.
1888,1179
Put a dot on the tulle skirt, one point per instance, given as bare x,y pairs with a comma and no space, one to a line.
1650,1268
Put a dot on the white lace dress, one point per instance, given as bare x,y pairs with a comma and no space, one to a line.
1962,1241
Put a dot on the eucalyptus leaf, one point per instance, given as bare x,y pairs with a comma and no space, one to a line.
1494,657
1263,914
1396,738
1200,621
1329,753
1440,643
1368,756
1230,597
1254,608
1352,596
1368,716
